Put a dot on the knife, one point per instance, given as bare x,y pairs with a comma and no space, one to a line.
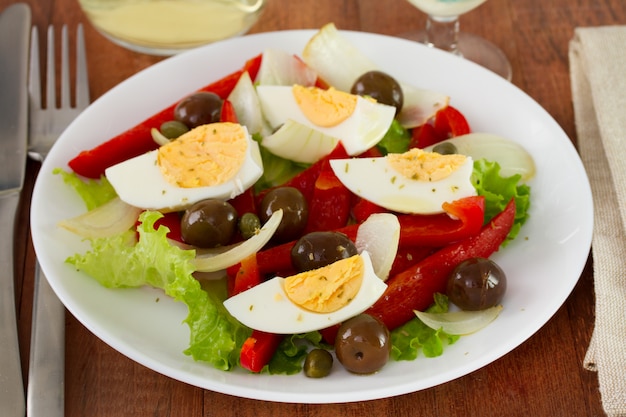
15,23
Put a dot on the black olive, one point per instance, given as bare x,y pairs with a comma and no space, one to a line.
317,249
295,212
363,345
476,284
199,109
381,87
209,223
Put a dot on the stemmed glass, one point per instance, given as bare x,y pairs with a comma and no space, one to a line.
442,31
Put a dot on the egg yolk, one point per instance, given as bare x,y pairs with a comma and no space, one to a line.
326,289
417,164
324,108
207,155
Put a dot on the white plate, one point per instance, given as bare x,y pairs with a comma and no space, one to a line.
543,264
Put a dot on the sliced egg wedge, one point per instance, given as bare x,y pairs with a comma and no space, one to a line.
357,122
284,305
218,160
415,182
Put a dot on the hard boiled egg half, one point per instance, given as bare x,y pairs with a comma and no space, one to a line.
359,123
310,300
217,160
415,182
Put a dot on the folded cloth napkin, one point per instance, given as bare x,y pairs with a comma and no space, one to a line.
598,73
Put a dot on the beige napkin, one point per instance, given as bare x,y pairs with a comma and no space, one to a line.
598,73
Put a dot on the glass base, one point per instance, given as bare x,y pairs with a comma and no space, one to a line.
476,49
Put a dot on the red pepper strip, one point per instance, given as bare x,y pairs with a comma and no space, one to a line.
138,139
246,276
258,349
305,180
409,256
463,218
423,136
244,202
414,288
227,114
329,207
449,122
363,208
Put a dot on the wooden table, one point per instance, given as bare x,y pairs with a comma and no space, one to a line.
544,376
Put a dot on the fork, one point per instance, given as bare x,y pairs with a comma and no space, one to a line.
46,388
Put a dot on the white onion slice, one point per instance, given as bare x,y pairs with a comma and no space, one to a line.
246,104
210,261
158,137
299,143
379,235
279,67
109,219
459,322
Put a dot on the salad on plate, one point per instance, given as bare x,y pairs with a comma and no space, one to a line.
306,209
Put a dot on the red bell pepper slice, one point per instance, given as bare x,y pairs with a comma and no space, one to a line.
449,122
414,288
423,136
137,140
329,207
363,208
258,349
246,276
305,180
463,218
227,114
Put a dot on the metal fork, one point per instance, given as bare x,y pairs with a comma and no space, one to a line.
46,389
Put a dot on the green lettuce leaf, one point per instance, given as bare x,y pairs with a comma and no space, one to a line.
498,191
93,192
396,140
121,261
413,336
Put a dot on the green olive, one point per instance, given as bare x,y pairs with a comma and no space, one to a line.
445,148
318,363
173,129
249,225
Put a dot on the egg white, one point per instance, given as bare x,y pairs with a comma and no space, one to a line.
374,179
266,307
140,183
360,131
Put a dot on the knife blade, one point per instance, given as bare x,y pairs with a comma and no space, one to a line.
15,23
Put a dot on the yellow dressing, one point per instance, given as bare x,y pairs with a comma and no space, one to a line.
324,108
329,288
417,164
207,155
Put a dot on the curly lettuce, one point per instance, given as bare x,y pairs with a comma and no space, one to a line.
123,261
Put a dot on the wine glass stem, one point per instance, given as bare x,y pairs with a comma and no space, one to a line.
443,33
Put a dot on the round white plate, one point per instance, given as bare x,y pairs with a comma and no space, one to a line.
542,265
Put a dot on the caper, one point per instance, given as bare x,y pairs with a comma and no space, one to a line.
445,148
318,363
249,225
173,129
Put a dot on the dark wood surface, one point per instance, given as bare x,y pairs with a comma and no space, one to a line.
542,377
